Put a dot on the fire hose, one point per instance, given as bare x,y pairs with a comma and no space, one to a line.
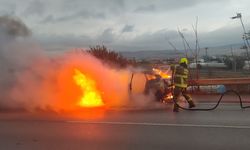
203,109
217,104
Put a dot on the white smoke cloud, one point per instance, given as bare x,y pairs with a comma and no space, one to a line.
32,80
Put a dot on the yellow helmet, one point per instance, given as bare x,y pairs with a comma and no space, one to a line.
183,60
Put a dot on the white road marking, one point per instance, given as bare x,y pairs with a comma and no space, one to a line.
161,124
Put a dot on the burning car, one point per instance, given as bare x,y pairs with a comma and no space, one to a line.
158,83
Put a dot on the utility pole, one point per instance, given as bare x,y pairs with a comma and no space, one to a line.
245,36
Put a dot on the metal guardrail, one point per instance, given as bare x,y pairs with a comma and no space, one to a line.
220,81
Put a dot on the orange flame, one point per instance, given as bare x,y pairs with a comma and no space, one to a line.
161,73
91,96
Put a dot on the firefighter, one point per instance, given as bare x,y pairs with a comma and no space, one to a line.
180,78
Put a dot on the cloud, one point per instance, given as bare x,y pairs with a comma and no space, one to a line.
83,23
49,19
153,40
157,40
35,8
54,43
94,6
168,5
9,9
148,8
83,14
147,41
127,28
88,14
221,36
107,36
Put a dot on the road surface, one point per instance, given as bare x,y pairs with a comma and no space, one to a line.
228,127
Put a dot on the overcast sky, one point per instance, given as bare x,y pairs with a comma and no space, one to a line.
129,24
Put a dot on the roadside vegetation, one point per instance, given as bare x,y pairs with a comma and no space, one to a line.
110,57
237,61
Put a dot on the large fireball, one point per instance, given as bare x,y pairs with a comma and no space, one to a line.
91,96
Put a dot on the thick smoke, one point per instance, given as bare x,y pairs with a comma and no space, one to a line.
16,54
11,28
32,80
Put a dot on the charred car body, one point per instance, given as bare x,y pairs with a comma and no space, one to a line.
158,83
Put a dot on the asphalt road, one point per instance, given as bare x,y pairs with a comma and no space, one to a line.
228,127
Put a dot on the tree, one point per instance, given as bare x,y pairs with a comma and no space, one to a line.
110,57
240,62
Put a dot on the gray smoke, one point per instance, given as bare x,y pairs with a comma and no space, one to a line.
11,27
14,54
33,80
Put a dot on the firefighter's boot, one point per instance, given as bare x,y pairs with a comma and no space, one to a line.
176,108
191,104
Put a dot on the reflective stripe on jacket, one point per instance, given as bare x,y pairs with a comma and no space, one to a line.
180,77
